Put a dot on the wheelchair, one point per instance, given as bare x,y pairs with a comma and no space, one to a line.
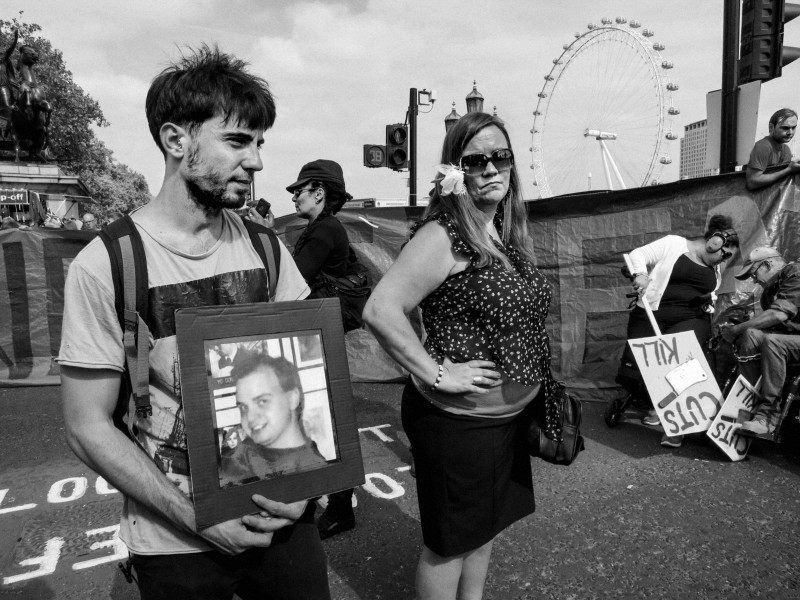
787,429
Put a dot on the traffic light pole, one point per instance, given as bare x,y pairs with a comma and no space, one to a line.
413,107
730,88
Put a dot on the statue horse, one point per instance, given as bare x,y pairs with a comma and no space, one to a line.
29,130
24,110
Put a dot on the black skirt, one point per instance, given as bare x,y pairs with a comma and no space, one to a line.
473,474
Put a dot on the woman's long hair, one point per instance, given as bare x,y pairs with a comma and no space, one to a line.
468,218
335,197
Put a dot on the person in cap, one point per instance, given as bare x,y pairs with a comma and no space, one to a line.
323,247
773,150
764,344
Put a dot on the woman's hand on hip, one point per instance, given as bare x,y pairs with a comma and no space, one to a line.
472,376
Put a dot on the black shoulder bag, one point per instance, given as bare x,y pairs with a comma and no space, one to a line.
352,290
554,431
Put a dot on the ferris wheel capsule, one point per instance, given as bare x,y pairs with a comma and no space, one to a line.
647,33
658,46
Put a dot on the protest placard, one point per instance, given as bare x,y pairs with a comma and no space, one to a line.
684,392
735,410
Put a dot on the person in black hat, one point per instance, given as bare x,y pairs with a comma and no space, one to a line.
323,247
318,194
765,343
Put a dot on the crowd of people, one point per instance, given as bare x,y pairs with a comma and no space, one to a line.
473,381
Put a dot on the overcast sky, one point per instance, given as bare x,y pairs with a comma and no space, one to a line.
342,70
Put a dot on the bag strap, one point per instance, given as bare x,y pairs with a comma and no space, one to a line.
266,244
129,275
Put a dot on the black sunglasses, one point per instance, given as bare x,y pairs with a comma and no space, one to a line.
475,164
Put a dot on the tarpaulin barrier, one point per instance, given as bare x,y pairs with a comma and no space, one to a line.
578,241
33,265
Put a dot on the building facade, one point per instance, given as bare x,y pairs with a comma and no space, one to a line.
693,151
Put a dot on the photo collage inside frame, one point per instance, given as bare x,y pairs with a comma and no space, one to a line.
271,406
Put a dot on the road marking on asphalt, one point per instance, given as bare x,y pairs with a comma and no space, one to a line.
11,509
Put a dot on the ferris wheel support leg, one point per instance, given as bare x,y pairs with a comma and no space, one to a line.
603,155
613,166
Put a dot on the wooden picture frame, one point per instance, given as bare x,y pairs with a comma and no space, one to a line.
255,380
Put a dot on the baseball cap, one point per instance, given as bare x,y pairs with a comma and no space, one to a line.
756,256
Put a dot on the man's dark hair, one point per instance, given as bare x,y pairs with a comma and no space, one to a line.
779,116
203,84
248,361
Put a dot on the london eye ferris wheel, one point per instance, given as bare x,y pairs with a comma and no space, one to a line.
604,115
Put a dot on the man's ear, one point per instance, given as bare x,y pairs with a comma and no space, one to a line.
294,399
174,140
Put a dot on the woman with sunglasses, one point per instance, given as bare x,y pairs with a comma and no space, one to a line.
323,247
677,277
469,267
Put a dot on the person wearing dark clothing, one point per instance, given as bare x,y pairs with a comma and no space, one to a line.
323,247
470,268
677,277
269,395
765,343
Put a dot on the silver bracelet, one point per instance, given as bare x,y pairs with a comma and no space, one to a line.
438,379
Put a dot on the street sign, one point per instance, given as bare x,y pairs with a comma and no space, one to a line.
374,156
13,196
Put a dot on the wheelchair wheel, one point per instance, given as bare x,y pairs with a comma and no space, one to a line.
614,411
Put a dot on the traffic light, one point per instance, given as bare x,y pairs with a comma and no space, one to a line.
397,146
761,51
374,156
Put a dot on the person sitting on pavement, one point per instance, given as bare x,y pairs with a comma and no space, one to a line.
764,344
773,150
677,277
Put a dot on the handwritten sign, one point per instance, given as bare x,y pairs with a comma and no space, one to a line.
685,394
736,409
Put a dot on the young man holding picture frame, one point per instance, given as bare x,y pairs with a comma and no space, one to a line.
207,114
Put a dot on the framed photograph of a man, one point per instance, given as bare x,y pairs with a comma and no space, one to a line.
267,403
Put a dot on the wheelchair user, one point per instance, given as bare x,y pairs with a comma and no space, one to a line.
766,343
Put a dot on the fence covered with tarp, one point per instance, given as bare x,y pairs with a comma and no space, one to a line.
579,241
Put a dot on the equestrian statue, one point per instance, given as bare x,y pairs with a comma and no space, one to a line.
24,110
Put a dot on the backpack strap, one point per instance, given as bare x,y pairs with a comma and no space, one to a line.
266,244
129,274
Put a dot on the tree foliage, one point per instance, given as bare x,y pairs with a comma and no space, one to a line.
73,144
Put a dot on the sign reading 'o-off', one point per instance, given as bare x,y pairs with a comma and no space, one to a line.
12,196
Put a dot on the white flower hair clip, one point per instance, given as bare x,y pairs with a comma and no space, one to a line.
453,181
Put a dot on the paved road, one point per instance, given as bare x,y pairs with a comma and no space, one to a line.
630,519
